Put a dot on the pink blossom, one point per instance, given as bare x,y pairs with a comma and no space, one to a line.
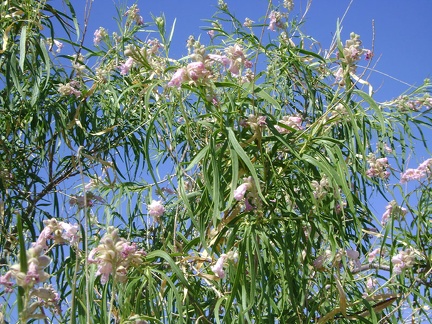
240,192
368,54
196,70
6,281
272,23
156,208
370,283
211,33
104,270
71,233
261,121
402,260
225,61
290,121
372,255
218,267
98,35
125,67
178,78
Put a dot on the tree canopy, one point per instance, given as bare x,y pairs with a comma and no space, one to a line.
232,185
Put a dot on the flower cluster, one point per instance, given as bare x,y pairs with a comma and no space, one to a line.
156,209
326,257
70,88
36,263
114,256
377,167
275,20
351,54
423,170
402,260
99,34
59,232
393,210
133,14
405,103
320,188
200,72
292,122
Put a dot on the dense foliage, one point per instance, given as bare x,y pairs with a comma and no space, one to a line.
232,185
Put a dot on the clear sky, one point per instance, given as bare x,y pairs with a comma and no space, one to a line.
403,31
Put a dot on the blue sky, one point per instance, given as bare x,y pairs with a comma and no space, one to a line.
402,45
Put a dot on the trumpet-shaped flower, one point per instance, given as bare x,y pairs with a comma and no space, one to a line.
218,267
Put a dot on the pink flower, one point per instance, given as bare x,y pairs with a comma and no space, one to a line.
290,121
225,61
240,192
156,208
6,281
71,233
98,35
104,270
218,267
368,54
403,260
211,33
371,283
196,70
273,21
372,255
125,67
178,78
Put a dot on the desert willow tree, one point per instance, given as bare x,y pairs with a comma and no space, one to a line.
229,186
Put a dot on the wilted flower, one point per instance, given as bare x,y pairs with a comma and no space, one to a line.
354,256
320,262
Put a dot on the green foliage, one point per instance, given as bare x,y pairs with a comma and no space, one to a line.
262,156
